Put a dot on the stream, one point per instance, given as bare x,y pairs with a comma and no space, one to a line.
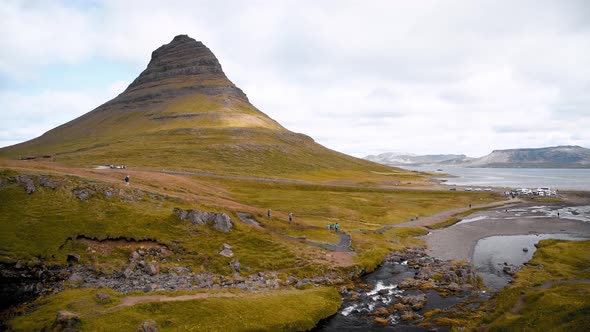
392,297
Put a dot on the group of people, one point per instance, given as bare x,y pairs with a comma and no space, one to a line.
335,227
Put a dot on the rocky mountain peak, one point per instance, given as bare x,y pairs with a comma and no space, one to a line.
183,56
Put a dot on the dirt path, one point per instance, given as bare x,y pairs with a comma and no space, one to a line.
444,215
343,244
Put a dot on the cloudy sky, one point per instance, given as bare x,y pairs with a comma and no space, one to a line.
361,77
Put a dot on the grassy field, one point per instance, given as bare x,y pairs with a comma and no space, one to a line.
551,293
286,310
45,226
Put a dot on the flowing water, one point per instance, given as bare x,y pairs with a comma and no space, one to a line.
381,291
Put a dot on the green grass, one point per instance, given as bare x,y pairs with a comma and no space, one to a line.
38,225
286,310
218,138
352,207
555,296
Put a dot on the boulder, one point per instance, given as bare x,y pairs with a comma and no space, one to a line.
102,296
109,193
134,256
73,259
510,270
408,283
148,326
83,193
27,183
151,269
221,221
417,302
127,273
67,319
235,264
47,182
226,253
302,283
76,278
454,287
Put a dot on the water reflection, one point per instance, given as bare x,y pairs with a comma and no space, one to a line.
492,254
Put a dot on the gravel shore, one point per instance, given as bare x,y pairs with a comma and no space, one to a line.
458,241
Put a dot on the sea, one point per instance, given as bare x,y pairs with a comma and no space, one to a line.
555,178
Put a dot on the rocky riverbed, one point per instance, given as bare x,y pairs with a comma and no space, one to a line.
410,291
145,271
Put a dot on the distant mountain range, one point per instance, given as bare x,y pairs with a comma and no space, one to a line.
400,159
549,157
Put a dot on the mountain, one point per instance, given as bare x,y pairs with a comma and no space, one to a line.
183,113
401,159
549,157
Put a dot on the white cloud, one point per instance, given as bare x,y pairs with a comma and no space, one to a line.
428,77
25,116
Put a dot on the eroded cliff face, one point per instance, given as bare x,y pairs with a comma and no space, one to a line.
182,67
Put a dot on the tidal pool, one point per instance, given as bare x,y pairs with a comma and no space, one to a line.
492,253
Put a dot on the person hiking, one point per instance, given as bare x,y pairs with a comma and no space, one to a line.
268,213
127,180
336,227
329,226
290,216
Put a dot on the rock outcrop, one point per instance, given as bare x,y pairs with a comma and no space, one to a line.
148,326
66,319
185,57
26,181
226,251
220,221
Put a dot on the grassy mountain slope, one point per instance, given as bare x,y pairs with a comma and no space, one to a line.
183,113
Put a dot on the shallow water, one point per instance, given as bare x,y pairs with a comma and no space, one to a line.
353,315
579,213
491,253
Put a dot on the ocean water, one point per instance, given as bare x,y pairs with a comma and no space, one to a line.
560,179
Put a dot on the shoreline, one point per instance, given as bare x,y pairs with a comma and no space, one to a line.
458,241
516,180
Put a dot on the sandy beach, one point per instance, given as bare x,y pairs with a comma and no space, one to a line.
458,241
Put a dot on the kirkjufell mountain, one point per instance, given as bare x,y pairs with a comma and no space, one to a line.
183,113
